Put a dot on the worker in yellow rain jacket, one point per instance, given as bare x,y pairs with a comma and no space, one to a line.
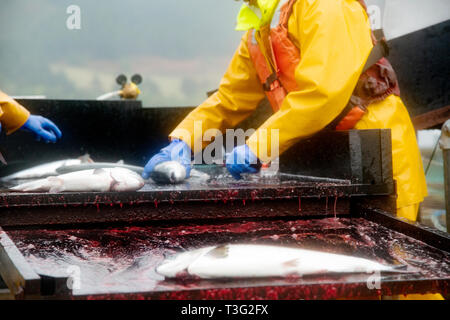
310,67
13,117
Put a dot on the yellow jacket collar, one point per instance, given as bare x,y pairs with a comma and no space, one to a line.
254,17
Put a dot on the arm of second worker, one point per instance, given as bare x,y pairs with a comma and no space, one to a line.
334,40
12,115
238,96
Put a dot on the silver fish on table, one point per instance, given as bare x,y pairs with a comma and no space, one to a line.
168,172
96,180
256,261
67,168
46,169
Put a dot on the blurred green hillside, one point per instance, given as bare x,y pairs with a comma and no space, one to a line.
181,48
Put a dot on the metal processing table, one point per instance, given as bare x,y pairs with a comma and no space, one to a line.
115,241
110,243
119,262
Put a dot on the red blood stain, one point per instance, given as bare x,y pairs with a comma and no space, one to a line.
123,259
335,202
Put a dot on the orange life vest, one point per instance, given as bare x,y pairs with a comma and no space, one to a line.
276,58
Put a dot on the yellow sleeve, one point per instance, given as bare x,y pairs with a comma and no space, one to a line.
12,115
334,40
239,94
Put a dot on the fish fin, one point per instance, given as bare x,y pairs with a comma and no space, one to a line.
58,184
219,252
292,263
86,158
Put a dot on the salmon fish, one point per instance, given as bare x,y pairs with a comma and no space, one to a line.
255,261
96,180
46,169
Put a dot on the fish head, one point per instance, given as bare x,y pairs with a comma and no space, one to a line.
125,180
169,172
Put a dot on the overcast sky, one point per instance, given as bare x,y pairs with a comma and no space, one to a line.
181,47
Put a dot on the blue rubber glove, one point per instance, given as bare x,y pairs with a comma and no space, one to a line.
42,128
177,150
242,160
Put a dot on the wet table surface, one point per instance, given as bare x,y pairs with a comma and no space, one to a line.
120,261
217,185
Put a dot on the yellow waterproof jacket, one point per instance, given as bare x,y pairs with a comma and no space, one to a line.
334,40
12,114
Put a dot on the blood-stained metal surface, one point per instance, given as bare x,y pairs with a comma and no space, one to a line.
119,262
107,245
220,197
332,167
20,277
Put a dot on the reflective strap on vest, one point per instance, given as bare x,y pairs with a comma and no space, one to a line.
274,90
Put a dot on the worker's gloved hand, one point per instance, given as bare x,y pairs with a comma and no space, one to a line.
42,128
177,150
242,160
